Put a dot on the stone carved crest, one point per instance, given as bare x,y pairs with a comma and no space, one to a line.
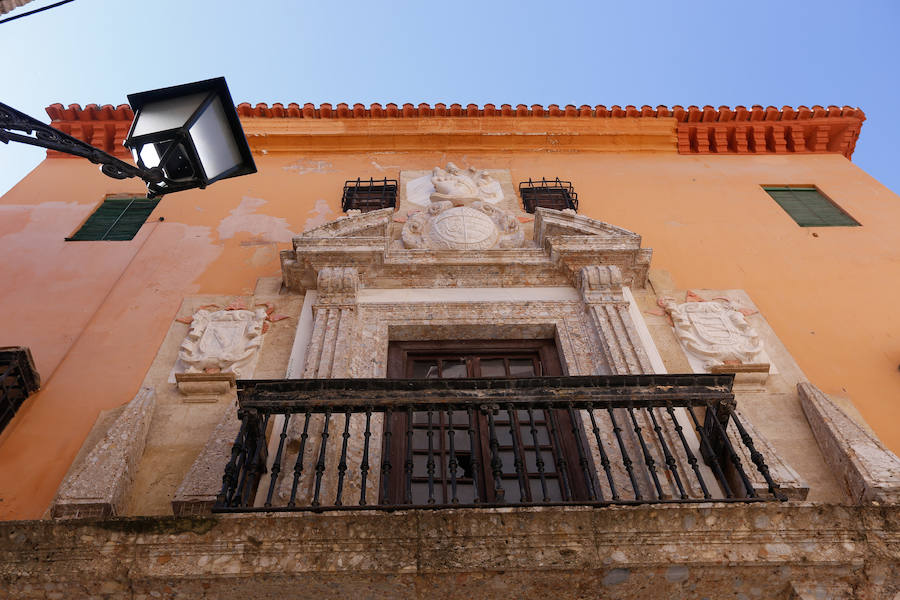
714,332
478,226
460,186
224,341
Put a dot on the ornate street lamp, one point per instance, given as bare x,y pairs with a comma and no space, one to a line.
182,137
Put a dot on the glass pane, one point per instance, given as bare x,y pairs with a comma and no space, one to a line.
511,488
166,114
543,435
214,141
460,441
454,369
521,367
492,367
420,492
425,369
464,492
553,489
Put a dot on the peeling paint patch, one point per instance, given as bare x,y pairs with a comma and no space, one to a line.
304,166
321,214
244,219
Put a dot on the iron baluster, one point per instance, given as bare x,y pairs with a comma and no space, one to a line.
298,464
320,464
229,480
518,458
429,465
561,462
476,463
669,458
582,458
710,453
276,464
342,463
256,466
648,458
626,459
386,457
364,467
692,460
452,465
604,458
757,458
409,457
538,459
496,463
735,459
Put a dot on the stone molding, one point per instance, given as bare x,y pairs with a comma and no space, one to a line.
707,550
337,285
870,471
98,485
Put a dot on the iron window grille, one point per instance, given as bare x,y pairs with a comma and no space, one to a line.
369,194
809,207
117,219
548,193
18,380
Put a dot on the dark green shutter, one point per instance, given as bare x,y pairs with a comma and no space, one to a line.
117,219
809,208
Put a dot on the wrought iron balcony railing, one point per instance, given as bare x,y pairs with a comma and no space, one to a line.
393,444
18,380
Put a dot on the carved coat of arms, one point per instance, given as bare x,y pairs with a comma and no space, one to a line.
715,332
222,341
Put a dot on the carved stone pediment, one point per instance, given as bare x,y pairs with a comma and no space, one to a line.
714,333
224,341
475,244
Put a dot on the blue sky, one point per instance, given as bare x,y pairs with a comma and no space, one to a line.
769,53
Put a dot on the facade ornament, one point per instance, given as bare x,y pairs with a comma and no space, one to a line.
337,281
464,186
600,283
223,341
716,333
477,226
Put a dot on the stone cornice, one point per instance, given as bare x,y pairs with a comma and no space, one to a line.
342,128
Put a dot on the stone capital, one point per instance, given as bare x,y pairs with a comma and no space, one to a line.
337,285
600,283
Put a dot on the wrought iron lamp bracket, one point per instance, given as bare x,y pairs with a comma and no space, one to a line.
16,126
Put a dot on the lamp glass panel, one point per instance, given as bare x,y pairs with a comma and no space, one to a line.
214,141
149,155
166,114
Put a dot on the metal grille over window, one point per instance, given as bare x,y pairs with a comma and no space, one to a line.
548,193
18,380
369,194
319,444
810,208
117,219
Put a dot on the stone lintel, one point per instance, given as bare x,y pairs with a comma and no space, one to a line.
870,471
98,486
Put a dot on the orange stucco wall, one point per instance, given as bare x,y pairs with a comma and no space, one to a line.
95,313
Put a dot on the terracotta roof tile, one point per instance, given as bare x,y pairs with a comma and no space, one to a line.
699,130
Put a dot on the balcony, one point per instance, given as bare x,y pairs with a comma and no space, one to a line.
385,444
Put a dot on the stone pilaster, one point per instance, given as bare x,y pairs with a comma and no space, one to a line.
870,471
607,313
99,484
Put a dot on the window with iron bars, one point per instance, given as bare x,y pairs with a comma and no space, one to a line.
548,193
18,380
369,194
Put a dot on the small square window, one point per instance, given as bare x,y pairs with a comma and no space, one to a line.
117,219
809,207
548,193
369,194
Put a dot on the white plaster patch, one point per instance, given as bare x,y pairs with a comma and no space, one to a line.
303,166
321,213
244,219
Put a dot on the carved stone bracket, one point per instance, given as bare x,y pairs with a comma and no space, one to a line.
337,285
870,471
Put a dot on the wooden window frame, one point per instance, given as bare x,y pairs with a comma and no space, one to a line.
91,231
400,355
822,210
